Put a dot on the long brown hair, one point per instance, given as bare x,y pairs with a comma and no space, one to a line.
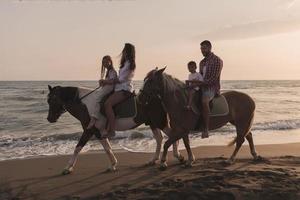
107,57
128,54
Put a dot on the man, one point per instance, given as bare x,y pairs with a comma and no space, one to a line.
210,68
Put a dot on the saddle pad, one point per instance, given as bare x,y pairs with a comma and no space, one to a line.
218,107
124,109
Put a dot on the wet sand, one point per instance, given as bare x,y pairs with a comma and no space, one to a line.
277,176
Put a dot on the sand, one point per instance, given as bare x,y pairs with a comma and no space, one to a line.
277,176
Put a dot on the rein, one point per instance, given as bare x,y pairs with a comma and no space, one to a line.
89,93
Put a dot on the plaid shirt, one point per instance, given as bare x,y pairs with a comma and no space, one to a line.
214,66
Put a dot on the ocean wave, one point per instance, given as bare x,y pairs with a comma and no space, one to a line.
278,125
60,144
19,98
145,133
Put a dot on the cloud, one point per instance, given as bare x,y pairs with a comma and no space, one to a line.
289,3
252,29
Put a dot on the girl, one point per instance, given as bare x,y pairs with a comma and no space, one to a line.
123,86
107,87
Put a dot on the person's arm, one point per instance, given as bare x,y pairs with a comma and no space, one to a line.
108,82
111,79
213,72
197,83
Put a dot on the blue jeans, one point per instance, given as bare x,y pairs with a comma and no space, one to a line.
208,92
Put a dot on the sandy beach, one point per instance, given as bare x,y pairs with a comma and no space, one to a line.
277,176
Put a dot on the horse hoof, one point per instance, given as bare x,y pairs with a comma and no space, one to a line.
228,162
181,159
163,166
150,163
67,171
111,169
188,165
259,159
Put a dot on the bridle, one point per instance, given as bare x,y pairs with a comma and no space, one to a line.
149,97
65,104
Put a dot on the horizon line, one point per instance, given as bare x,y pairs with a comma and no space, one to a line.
142,80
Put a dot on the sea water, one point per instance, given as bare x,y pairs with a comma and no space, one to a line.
25,131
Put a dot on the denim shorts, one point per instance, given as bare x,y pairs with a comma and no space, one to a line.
208,92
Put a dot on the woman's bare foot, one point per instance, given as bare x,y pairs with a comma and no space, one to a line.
92,123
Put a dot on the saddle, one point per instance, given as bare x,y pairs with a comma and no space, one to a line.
218,105
125,109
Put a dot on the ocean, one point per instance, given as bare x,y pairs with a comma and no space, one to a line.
25,131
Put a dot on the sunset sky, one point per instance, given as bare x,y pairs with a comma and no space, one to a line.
65,40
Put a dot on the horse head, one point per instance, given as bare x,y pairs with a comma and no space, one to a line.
56,104
152,86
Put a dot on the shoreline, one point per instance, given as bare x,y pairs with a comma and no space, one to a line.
204,147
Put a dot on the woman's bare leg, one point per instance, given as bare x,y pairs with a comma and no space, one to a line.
114,99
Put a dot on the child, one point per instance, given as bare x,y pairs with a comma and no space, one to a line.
193,76
107,87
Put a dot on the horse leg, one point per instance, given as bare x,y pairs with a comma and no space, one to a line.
176,152
71,164
251,146
243,129
241,132
191,156
173,138
113,160
158,138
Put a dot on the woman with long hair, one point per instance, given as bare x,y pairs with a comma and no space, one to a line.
108,76
123,85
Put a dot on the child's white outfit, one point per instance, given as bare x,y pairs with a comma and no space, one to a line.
94,110
195,77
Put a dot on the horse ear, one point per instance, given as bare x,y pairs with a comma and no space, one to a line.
161,70
50,88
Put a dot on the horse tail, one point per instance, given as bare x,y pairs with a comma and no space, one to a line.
232,142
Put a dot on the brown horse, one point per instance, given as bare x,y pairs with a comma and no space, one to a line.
173,95
62,99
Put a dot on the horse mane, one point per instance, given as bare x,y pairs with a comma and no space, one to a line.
172,84
175,87
68,94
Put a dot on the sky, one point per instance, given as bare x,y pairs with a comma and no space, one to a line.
66,39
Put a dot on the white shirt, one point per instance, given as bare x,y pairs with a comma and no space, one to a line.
125,78
195,77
